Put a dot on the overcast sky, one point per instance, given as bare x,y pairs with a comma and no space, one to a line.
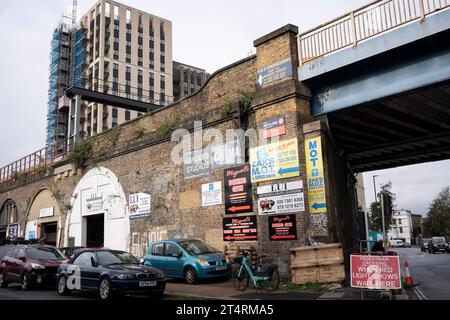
206,33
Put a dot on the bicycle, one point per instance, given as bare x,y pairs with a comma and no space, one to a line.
265,277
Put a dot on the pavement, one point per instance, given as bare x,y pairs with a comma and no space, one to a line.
430,272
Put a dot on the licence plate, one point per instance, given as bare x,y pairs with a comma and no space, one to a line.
147,284
221,268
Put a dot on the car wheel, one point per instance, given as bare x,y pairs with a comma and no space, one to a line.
26,281
62,286
105,290
3,281
190,275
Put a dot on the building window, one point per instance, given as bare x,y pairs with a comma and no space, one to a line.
116,13
401,229
107,9
128,16
127,115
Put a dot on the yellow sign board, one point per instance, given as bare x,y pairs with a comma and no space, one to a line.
315,176
275,161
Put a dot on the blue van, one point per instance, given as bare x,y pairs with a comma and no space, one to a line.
187,259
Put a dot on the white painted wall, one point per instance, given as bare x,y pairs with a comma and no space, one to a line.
114,207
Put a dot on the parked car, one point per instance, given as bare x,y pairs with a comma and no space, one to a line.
424,244
69,252
437,244
30,265
187,259
109,272
396,243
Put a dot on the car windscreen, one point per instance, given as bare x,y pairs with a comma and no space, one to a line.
44,254
196,247
106,258
438,240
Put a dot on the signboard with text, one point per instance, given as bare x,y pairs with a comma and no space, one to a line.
238,190
46,212
240,229
274,127
275,161
281,198
212,194
375,272
315,176
274,72
196,164
226,154
93,204
140,205
282,228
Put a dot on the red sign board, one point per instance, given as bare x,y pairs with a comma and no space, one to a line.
240,229
238,190
375,272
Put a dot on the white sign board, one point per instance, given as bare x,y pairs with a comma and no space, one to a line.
31,230
227,154
93,204
140,205
211,194
47,212
281,198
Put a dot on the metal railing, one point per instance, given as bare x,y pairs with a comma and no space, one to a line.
374,18
40,159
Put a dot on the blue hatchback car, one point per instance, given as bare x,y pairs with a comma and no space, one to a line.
187,259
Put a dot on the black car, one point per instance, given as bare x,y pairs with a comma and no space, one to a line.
437,244
109,272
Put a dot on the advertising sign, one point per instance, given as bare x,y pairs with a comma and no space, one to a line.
211,194
282,228
281,198
275,71
240,229
375,272
47,212
196,164
31,230
226,154
275,161
238,190
94,203
274,127
315,176
13,231
140,205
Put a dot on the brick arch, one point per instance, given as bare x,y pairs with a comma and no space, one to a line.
2,211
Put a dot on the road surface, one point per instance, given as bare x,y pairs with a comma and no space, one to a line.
430,271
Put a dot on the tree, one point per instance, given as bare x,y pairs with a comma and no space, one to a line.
375,217
437,222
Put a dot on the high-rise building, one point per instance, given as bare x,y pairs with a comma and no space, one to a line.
129,53
114,49
187,79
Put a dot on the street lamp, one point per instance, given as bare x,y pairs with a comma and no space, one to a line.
375,188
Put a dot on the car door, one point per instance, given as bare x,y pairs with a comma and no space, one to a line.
172,260
87,273
9,263
12,265
157,256
20,261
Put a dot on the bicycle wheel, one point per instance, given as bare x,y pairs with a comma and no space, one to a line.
241,281
273,283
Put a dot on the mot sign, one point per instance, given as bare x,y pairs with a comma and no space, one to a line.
375,272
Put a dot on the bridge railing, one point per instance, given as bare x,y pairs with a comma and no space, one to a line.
359,25
40,159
